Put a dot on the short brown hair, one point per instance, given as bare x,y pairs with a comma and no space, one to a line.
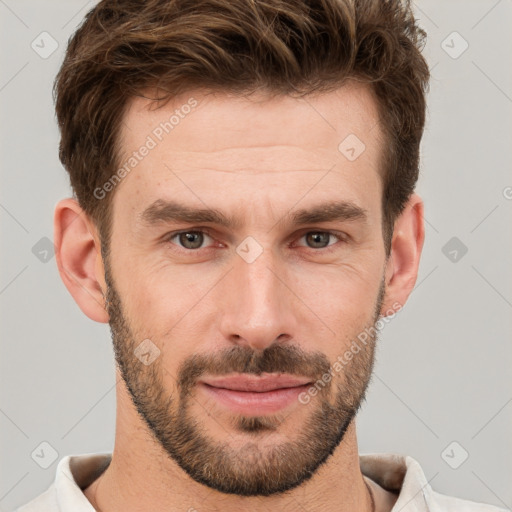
291,47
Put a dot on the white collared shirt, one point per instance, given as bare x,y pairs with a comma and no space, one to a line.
400,474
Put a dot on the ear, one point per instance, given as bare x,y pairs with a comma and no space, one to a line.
78,256
404,259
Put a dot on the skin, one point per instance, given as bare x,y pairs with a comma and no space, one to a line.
255,159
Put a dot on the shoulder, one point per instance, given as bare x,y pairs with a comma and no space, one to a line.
73,473
452,504
403,475
437,502
45,502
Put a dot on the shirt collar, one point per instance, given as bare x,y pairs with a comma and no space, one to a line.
73,474
399,474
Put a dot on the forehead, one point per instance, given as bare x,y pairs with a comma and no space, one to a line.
218,145
203,121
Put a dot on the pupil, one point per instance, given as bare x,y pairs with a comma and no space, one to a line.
193,240
319,238
187,239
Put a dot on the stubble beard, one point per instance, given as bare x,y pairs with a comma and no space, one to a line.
254,469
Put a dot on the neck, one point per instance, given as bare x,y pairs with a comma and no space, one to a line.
141,476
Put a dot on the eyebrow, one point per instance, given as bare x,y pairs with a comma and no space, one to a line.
164,211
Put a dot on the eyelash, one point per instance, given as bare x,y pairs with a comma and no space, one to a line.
342,237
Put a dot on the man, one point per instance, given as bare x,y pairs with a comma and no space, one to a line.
244,219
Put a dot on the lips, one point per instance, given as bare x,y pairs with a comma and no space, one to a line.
254,383
254,395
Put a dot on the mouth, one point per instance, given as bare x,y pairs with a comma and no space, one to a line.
254,395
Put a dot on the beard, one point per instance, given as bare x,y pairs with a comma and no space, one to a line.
252,469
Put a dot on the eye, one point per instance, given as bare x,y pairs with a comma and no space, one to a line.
320,239
190,240
193,240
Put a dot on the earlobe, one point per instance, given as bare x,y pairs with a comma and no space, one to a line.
77,252
404,259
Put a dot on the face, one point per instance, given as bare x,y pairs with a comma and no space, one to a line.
277,276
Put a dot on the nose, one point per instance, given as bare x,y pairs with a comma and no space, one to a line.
257,306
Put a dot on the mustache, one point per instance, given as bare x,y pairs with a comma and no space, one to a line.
237,359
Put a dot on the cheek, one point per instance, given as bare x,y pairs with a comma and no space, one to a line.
343,297
345,302
160,304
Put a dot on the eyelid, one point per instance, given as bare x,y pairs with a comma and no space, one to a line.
341,236
169,236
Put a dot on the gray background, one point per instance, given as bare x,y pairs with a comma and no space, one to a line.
443,365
